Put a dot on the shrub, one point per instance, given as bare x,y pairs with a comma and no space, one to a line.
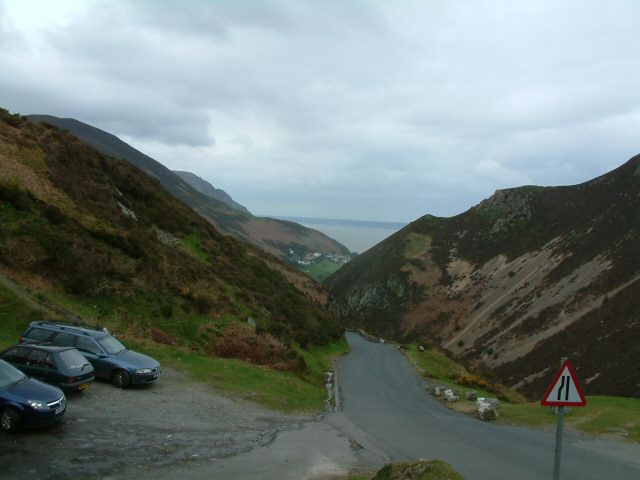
469,380
17,197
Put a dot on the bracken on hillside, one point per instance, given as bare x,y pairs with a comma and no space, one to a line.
90,229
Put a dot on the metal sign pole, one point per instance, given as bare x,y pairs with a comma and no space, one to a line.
556,464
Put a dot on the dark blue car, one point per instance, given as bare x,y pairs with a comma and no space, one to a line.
110,359
64,367
28,402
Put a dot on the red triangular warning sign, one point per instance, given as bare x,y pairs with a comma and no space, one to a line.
565,390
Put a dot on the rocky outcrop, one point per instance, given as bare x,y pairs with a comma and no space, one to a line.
527,276
510,206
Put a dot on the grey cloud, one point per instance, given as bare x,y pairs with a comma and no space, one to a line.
346,109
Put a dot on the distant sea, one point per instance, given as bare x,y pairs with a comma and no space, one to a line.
357,235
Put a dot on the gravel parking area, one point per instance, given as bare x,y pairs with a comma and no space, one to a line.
107,431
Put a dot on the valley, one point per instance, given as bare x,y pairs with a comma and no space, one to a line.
298,240
184,428
510,286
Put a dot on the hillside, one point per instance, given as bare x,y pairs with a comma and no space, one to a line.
277,237
90,233
526,277
209,190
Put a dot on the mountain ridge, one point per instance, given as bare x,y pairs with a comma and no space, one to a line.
504,284
274,236
93,232
209,190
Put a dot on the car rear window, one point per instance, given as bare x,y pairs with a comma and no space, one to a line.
39,334
41,359
72,358
16,355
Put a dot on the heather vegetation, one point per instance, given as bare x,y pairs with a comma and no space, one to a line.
524,278
98,239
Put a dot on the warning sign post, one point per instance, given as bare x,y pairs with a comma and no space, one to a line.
565,391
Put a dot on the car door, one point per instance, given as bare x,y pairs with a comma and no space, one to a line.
92,352
41,366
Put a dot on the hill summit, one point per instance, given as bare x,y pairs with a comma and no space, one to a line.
277,237
528,276
98,235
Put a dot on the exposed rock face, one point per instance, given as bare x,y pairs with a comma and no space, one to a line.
511,206
526,277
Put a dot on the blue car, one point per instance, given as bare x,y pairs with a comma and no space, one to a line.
64,367
25,402
110,359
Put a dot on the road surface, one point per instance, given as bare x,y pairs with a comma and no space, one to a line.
384,397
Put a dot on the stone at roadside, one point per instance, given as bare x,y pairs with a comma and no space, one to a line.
438,391
421,348
450,396
487,408
471,395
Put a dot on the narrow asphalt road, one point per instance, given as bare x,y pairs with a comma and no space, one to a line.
384,396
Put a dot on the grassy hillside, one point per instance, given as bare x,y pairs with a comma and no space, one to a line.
274,236
603,415
526,277
93,236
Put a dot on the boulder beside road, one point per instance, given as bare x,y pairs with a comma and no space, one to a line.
487,408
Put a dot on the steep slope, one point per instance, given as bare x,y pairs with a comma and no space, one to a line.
524,278
209,190
274,236
95,232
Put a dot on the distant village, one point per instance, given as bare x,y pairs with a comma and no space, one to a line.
312,257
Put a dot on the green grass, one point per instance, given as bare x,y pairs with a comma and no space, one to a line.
602,415
319,359
422,470
15,316
140,312
434,364
279,390
321,269
275,389
192,244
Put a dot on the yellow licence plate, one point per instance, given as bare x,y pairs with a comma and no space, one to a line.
83,386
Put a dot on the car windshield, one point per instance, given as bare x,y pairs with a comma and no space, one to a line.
73,359
110,345
10,375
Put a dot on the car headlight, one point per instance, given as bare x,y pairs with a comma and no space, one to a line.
144,370
37,405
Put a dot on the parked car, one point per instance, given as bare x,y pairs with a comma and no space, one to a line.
110,359
64,367
28,402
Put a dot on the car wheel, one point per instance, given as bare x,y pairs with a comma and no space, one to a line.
121,379
10,420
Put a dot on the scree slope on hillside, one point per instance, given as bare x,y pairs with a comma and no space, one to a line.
526,277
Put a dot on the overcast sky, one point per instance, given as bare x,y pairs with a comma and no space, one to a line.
374,110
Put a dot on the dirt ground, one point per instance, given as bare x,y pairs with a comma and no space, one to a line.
108,431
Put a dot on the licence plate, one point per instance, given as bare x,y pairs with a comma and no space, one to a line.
83,386
59,410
